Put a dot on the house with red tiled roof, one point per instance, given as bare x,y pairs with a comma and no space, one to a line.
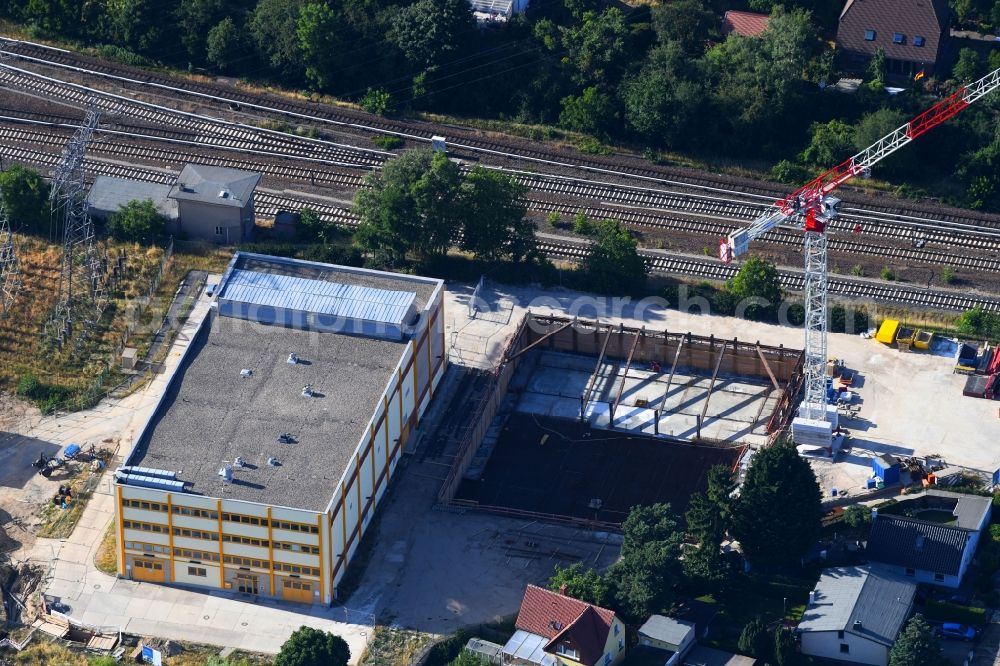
747,24
557,630
913,33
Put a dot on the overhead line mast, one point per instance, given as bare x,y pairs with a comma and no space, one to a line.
812,205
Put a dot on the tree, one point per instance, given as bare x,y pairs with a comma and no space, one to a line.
312,647
664,99
223,47
644,576
466,658
377,101
613,264
754,639
593,111
857,515
686,22
493,209
273,27
877,70
322,41
410,205
137,221
26,198
757,288
872,127
429,32
195,20
916,646
140,25
597,46
831,142
777,516
784,647
583,584
967,67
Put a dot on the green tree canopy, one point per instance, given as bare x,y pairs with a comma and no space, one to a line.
707,519
597,46
785,653
872,127
777,516
195,18
410,205
831,143
754,640
429,32
583,584
644,576
312,647
967,67
26,199
917,645
493,209
877,70
273,27
686,22
138,221
223,46
613,264
323,38
593,112
757,288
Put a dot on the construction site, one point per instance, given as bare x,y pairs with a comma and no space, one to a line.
581,420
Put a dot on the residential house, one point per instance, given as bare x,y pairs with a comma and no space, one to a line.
109,195
747,24
855,615
553,629
674,637
931,538
913,33
214,204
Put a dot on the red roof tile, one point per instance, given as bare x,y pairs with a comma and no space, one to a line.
747,24
564,619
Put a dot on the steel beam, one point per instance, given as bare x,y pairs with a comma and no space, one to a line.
621,385
715,373
585,398
673,368
767,366
542,339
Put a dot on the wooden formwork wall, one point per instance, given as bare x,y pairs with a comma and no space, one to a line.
698,352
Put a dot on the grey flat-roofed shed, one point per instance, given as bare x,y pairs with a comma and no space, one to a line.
108,195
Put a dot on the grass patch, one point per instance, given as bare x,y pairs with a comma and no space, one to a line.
944,611
388,141
445,651
390,646
106,557
59,523
42,653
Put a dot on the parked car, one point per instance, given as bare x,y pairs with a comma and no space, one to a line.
959,631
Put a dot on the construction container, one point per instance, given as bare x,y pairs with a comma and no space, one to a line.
886,468
923,340
985,360
966,358
887,331
904,338
975,386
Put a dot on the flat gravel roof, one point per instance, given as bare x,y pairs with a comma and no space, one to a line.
211,414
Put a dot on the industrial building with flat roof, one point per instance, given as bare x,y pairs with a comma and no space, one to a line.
277,436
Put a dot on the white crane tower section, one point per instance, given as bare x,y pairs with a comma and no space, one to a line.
812,206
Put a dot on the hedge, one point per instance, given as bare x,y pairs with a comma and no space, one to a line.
944,611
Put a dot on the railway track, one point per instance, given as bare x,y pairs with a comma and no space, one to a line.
894,213
706,269
708,225
575,250
230,136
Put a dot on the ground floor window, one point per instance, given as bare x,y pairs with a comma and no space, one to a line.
845,648
197,571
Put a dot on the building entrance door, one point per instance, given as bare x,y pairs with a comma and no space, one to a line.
246,584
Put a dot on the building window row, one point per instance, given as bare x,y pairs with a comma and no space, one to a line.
296,547
197,571
246,562
194,513
196,534
245,520
199,555
146,547
295,527
296,569
145,527
143,504
247,541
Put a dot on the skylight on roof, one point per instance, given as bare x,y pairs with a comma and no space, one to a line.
869,35
918,40
898,38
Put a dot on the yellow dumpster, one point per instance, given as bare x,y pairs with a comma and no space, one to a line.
923,340
887,331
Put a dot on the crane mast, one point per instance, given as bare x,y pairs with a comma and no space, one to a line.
813,207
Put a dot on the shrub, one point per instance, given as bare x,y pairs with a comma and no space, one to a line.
886,274
388,141
553,219
857,515
377,101
947,275
28,386
582,224
944,611
857,270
